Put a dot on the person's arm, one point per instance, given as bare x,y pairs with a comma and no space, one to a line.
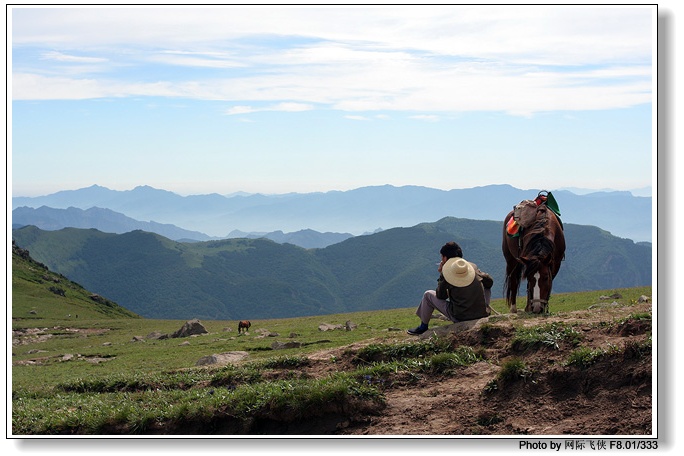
487,280
442,290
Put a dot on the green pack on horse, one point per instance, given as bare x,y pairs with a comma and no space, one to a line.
534,247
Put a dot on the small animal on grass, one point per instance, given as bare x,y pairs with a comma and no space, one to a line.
244,324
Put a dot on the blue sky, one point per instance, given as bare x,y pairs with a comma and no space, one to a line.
299,99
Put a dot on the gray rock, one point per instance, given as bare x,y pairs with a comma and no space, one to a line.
222,358
283,345
453,328
329,327
190,328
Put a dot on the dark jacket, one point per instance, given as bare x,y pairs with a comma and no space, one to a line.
466,303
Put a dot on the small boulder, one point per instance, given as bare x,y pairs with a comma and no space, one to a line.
329,327
190,328
283,345
222,358
460,326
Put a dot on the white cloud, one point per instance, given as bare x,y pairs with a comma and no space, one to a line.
351,117
61,57
283,107
441,59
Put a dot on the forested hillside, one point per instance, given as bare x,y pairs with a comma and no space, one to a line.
257,278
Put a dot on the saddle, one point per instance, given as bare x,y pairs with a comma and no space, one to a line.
525,213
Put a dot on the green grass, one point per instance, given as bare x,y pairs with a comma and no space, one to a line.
138,410
141,383
549,335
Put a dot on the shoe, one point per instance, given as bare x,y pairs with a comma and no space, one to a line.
416,331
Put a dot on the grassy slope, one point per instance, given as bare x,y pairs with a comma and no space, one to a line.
100,346
116,342
39,294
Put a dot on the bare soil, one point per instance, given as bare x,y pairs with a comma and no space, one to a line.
612,396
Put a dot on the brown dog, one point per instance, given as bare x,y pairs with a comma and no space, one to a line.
244,324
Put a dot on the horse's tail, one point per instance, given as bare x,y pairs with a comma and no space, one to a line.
512,284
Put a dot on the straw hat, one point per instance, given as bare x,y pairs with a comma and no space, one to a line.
458,272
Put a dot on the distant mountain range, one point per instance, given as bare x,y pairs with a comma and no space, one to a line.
108,221
156,277
356,212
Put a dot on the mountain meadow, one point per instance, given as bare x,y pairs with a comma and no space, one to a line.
84,366
156,277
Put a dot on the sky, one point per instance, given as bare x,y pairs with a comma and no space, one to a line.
273,99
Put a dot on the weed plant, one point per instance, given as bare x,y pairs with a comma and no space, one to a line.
549,335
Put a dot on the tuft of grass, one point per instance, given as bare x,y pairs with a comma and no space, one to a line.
286,362
584,357
549,335
446,362
512,370
398,351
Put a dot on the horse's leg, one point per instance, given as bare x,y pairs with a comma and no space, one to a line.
535,302
512,284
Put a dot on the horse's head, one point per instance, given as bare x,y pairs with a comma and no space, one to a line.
539,275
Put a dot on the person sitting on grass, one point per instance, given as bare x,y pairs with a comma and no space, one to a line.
463,291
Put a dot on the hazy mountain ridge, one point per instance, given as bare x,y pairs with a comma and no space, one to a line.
354,211
257,278
108,221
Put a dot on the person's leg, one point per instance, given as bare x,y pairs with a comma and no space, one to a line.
427,306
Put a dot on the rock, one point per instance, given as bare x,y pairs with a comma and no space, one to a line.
190,328
263,333
613,296
138,339
283,345
643,299
612,304
349,325
58,291
329,327
222,358
97,360
453,328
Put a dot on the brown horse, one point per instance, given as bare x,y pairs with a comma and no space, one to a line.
536,253
244,325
